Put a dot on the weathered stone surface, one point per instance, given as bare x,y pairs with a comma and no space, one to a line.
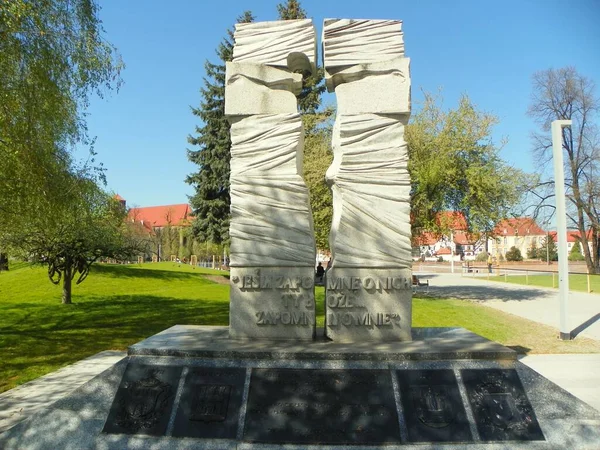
258,89
368,304
267,144
271,221
272,303
362,89
364,62
347,42
371,193
270,43
271,228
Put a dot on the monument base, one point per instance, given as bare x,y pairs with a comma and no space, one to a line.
193,387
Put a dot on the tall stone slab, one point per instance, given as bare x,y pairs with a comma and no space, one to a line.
272,238
368,286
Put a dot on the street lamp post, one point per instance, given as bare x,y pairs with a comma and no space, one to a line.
561,226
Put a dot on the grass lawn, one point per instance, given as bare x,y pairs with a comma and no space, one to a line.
577,282
120,305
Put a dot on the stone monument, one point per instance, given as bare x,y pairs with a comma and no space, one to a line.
368,286
272,238
196,387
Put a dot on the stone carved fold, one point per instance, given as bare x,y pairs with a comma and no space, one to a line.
357,41
371,187
272,239
270,43
370,236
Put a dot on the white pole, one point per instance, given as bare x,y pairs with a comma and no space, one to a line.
452,251
561,226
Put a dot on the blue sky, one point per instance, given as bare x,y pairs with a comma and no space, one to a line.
486,49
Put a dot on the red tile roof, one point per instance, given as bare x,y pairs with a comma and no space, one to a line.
444,251
572,236
426,238
161,216
521,226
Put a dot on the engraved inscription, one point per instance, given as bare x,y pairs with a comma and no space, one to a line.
210,402
297,299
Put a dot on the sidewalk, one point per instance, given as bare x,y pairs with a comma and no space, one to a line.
578,374
25,400
531,302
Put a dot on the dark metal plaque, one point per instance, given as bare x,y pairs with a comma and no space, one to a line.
433,409
313,406
501,409
144,399
210,403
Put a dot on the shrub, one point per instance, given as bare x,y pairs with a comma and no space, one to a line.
575,254
514,254
482,257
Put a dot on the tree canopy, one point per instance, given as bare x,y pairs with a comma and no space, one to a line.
53,57
455,165
565,94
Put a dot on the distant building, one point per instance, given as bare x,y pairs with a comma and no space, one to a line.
458,245
167,227
521,232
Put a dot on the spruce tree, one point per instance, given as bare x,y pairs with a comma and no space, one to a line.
211,201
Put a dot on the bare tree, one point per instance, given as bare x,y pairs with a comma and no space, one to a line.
564,94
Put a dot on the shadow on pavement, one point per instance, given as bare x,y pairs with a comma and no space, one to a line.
584,325
486,293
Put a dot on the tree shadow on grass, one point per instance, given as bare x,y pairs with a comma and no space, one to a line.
132,272
54,337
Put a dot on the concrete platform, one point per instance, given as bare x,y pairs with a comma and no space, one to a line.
77,420
427,344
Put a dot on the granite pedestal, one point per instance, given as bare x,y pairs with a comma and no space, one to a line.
193,387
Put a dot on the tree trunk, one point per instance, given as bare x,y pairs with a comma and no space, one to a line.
66,294
3,261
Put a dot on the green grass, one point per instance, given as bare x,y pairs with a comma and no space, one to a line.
577,282
120,305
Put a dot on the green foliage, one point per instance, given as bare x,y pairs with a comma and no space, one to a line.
482,257
533,252
454,165
86,224
548,249
211,200
53,57
514,254
575,254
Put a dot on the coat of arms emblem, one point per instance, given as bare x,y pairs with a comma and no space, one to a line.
210,402
144,402
432,405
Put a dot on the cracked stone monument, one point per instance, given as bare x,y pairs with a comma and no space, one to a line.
368,286
272,237
266,382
